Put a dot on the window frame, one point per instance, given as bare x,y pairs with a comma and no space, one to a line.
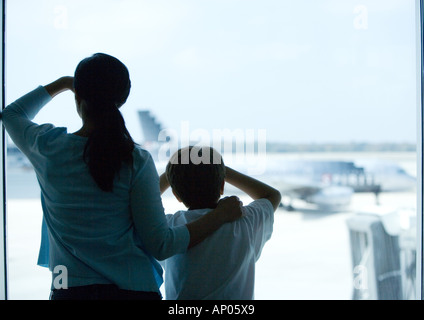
420,137
3,243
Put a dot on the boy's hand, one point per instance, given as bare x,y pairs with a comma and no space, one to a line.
229,209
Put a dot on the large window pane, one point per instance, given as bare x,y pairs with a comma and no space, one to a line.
325,92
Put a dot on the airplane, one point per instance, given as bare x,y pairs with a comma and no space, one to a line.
330,184
327,184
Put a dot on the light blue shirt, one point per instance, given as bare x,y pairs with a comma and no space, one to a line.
100,237
222,267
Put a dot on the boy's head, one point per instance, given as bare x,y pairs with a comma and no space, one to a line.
196,176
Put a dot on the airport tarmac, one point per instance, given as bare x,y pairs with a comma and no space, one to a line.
308,256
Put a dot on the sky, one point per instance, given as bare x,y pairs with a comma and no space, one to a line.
305,71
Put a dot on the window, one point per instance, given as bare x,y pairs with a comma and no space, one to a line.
317,98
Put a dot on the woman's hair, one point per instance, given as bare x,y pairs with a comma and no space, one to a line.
196,175
104,83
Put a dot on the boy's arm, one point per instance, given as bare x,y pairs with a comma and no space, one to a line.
254,188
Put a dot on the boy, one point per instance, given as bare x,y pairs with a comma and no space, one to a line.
222,267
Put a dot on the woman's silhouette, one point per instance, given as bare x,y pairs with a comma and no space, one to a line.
100,191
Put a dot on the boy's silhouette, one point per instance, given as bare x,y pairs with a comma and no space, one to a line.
223,265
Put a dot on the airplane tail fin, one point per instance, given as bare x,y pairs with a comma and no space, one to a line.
149,126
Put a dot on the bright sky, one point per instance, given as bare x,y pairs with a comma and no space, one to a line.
304,70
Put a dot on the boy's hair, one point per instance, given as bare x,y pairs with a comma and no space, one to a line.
196,175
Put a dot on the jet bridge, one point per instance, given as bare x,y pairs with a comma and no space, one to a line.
383,254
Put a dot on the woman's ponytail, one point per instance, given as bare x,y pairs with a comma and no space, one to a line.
107,147
103,82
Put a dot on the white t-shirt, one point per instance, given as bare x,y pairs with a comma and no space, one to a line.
222,267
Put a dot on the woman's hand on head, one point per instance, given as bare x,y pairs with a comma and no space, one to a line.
60,85
68,83
229,209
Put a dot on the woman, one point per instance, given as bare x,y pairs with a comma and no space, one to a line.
99,191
